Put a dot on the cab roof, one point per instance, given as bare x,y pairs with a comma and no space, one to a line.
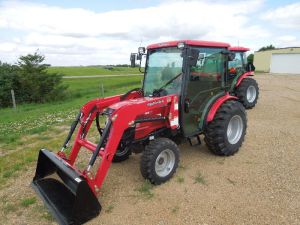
238,49
190,42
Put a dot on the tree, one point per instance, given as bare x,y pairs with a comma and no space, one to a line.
30,81
8,81
37,84
265,48
250,58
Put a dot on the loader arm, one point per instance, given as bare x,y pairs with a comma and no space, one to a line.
123,114
87,114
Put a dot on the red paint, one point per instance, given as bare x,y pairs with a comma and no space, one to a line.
189,42
251,73
238,49
216,106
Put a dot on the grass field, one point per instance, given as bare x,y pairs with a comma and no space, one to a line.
33,126
92,70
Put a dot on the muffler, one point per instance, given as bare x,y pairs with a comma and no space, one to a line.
64,191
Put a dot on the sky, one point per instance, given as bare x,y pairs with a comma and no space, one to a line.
99,32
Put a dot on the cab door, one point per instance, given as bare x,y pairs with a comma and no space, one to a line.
203,84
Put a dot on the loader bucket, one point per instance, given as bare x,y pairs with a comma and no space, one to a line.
64,191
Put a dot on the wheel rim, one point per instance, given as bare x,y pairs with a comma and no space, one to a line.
164,163
251,93
122,151
235,129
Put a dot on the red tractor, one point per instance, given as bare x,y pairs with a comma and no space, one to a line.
241,85
185,93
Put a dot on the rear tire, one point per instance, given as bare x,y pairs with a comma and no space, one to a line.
248,92
225,134
159,160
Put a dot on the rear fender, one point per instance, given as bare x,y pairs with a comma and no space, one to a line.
239,79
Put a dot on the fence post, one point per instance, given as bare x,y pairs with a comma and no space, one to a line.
102,90
13,98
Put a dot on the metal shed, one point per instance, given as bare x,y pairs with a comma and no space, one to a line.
282,60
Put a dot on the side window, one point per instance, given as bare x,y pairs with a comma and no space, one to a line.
236,66
209,66
237,62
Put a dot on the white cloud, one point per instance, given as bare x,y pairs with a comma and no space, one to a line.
287,38
7,47
286,16
287,41
77,36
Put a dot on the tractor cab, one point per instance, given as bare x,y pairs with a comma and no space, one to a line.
239,65
194,70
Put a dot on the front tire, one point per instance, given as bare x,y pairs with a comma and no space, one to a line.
225,134
248,92
121,154
159,160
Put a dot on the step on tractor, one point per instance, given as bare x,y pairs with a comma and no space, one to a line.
186,92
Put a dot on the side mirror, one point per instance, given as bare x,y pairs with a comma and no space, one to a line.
132,60
141,50
193,57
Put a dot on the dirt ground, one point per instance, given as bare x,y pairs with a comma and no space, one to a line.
258,185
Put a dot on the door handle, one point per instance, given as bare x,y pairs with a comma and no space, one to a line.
186,106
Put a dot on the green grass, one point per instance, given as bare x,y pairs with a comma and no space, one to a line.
33,126
38,118
146,190
109,209
92,70
175,209
180,179
199,178
28,201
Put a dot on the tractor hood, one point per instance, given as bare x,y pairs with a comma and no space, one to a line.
146,101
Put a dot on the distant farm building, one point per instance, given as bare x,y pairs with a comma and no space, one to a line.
280,60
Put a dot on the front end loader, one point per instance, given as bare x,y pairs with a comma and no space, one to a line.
184,95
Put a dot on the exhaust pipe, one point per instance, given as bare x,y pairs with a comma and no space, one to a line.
64,191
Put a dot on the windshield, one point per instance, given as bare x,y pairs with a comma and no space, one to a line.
163,65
